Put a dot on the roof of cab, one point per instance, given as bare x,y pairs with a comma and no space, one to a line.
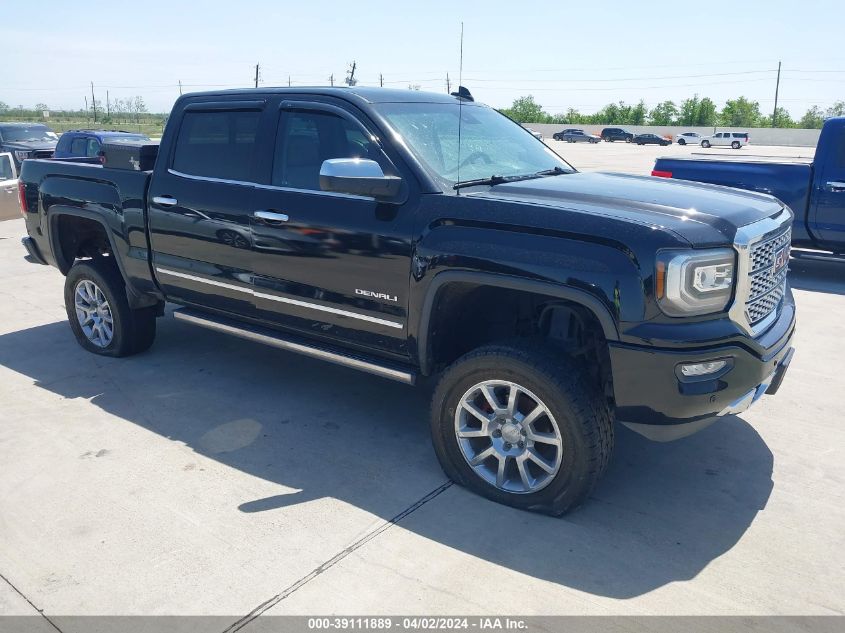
356,93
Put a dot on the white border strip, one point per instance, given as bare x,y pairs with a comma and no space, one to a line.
296,302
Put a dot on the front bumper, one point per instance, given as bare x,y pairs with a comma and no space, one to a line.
654,399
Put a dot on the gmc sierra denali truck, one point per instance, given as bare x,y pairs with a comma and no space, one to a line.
409,234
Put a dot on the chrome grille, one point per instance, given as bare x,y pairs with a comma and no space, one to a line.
762,254
766,287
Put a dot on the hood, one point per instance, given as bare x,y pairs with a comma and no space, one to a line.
30,144
692,210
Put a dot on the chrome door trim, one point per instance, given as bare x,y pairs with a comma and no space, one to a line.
244,183
296,302
271,216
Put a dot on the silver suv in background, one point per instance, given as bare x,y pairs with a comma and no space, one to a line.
726,139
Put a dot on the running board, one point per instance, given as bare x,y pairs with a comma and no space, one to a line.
292,344
818,256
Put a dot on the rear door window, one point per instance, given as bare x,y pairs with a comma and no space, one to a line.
219,144
6,171
77,146
92,147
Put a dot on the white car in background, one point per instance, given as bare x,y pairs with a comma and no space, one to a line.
726,139
535,134
691,138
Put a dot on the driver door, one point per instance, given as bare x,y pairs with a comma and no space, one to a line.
9,205
328,264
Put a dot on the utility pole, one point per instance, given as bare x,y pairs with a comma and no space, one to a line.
777,88
93,102
256,75
381,80
180,87
108,107
86,106
288,81
350,79
331,79
448,85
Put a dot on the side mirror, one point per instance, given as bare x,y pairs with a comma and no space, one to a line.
357,176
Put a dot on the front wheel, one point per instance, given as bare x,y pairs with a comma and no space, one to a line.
518,424
705,144
628,139
99,313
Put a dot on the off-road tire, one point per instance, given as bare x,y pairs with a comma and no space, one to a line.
133,330
581,413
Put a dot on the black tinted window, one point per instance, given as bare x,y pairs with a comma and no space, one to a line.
77,146
305,139
216,144
93,147
5,167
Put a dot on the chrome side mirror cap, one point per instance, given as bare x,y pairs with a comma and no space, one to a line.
358,176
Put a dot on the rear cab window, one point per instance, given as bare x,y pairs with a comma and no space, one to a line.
217,144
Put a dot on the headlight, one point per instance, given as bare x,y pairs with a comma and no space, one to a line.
694,282
21,154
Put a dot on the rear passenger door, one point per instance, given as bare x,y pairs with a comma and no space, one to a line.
331,265
200,201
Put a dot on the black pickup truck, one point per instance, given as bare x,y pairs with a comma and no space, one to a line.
409,234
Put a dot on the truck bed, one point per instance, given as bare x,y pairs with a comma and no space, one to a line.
114,197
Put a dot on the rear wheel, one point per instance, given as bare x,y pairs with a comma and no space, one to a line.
518,424
99,313
705,143
681,141
735,145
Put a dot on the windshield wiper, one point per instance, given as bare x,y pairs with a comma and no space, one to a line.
498,180
554,171
492,180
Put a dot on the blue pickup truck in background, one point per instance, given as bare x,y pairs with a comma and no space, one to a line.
814,190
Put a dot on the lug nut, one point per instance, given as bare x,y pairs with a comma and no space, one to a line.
521,445
508,446
497,433
523,432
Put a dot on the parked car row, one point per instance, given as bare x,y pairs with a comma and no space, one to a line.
735,140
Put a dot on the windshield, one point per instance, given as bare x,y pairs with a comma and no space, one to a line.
491,144
28,133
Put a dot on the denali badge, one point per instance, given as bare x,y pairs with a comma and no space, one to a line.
376,295
780,260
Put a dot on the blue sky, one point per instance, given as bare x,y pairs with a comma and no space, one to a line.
582,57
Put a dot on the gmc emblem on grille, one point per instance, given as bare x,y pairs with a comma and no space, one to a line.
780,260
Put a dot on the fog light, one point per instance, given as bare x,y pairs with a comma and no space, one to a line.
703,369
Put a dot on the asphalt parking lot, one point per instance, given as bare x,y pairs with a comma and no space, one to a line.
215,476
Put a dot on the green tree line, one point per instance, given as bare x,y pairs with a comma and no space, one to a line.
695,111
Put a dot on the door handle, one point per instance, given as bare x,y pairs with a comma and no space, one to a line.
271,216
836,185
165,201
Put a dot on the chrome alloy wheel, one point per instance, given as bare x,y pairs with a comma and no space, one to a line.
508,436
93,313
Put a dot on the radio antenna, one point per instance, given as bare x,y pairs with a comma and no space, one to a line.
460,104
